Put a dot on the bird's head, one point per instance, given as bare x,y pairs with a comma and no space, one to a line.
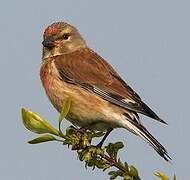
61,38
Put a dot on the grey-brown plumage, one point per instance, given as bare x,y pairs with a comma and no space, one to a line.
101,100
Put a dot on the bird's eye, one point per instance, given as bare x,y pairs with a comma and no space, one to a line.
66,36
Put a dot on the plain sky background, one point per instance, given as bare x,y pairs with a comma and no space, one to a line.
148,43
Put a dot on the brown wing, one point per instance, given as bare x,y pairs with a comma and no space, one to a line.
87,69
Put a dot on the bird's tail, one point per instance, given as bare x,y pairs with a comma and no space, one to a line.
141,131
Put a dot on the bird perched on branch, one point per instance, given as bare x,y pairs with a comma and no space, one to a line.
101,99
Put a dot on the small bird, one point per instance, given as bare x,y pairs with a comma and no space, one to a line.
100,99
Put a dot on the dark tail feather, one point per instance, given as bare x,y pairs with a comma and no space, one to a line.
150,113
154,143
146,136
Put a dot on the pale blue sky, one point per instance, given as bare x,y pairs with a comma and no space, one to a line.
148,42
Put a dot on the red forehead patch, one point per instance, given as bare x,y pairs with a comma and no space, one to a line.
51,30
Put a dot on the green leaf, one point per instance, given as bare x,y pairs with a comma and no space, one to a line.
41,139
98,134
99,151
64,111
161,175
113,174
87,156
102,164
133,171
36,124
120,163
127,177
113,148
126,165
174,177
71,130
118,145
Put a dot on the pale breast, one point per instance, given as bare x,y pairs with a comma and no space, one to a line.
86,107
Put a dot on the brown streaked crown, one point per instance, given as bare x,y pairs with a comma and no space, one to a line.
55,28
52,30
61,38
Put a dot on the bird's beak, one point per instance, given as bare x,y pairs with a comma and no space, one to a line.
48,43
